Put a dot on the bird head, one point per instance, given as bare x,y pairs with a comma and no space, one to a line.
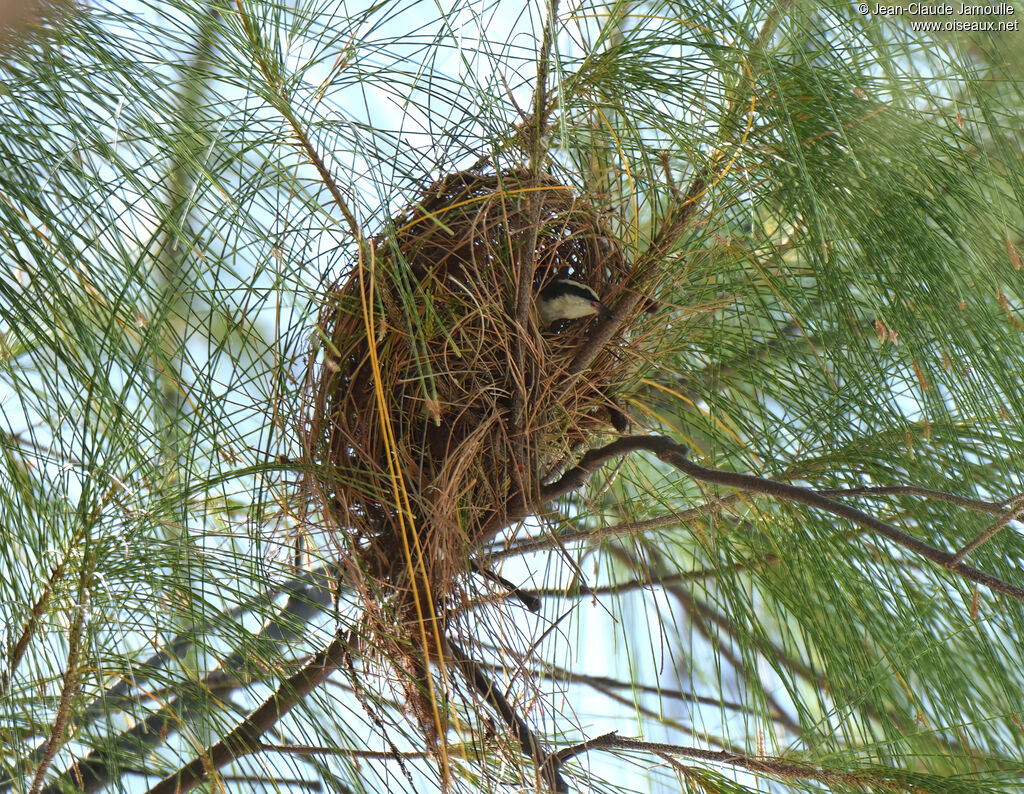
565,299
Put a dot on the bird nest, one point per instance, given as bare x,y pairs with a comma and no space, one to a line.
433,412
430,408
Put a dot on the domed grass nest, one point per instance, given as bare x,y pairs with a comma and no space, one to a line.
433,413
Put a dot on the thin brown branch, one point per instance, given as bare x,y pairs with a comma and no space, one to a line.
671,229
526,597
696,575
575,477
276,85
67,691
345,752
604,684
625,308
616,530
548,766
533,130
571,752
540,96
360,696
328,179
701,616
18,651
702,611
764,765
591,534
676,455
990,532
244,739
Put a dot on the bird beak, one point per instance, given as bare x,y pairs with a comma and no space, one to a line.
603,310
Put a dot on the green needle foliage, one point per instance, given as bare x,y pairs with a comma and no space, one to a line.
822,215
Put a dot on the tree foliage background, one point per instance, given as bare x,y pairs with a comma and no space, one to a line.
828,209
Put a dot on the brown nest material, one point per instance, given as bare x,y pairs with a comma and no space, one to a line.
431,427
